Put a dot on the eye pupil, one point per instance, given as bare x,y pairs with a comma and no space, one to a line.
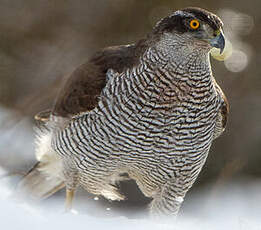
194,24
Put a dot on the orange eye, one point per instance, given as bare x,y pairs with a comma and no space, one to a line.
194,24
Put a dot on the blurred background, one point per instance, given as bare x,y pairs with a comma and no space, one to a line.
43,41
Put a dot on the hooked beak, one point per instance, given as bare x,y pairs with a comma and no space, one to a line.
218,41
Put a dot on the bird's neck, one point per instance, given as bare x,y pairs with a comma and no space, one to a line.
176,58
181,52
172,74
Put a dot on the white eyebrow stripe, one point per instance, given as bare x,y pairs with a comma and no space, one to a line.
184,14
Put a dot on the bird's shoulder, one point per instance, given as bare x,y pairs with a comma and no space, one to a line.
81,90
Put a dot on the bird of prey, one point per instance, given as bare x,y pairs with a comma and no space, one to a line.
149,110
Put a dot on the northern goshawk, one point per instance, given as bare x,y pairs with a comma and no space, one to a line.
149,110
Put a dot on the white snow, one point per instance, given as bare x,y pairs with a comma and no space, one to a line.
234,208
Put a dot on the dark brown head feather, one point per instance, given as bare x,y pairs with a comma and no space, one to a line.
173,22
176,21
206,16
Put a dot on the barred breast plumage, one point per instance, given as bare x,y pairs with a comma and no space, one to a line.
155,117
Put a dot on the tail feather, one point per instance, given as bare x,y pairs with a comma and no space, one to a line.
37,184
45,178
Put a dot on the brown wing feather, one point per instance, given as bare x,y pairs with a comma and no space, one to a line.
224,111
223,114
83,87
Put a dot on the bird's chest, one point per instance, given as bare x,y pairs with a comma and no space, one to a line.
164,120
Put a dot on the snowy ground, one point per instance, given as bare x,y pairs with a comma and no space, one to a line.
237,207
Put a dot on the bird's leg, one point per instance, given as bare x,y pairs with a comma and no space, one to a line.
71,180
167,201
69,199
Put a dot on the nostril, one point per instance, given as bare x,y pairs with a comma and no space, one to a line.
215,33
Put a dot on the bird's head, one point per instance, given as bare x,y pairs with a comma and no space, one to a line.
194,27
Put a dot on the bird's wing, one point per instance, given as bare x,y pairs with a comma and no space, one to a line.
83,87
223,113
224,110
